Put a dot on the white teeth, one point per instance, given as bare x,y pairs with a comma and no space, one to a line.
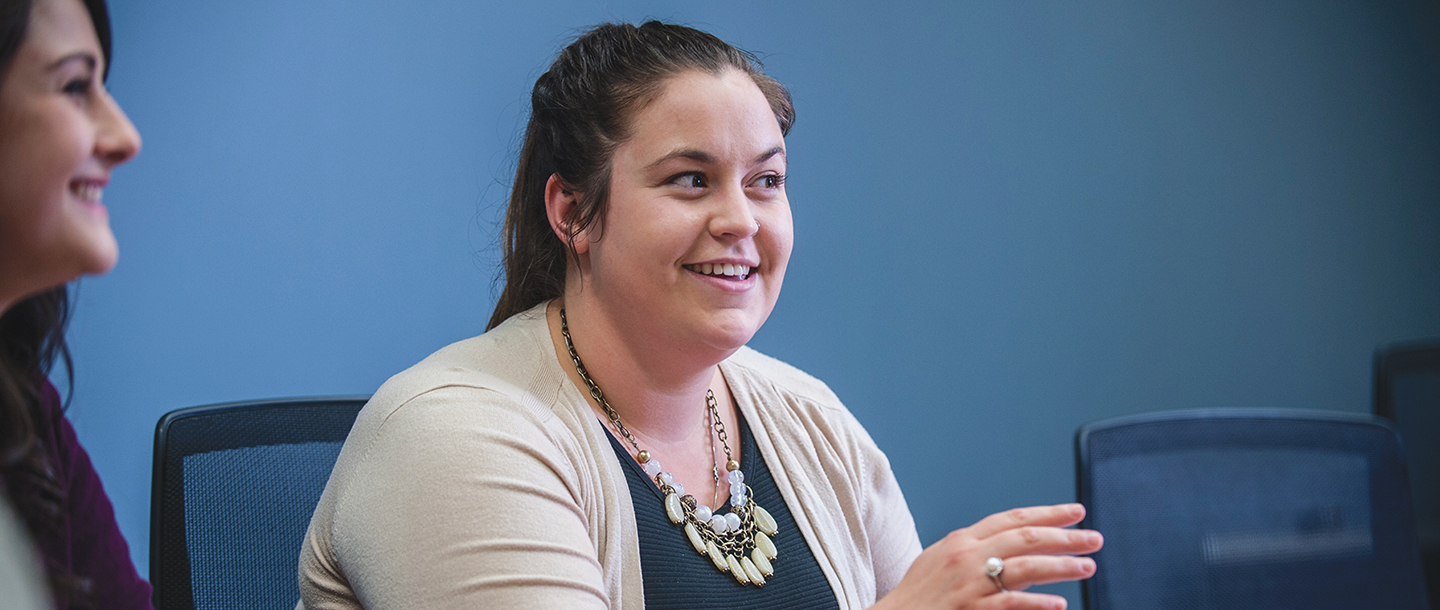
88,192
725,269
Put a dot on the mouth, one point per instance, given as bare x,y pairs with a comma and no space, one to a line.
725,271
88,190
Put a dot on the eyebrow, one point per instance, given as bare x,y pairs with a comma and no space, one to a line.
765,156
705,157
85,56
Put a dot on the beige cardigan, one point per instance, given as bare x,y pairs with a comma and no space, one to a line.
480,478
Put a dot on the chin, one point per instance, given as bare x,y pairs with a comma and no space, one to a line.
733,334
102,259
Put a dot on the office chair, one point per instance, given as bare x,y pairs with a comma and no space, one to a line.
233,490
1248,508
1407,392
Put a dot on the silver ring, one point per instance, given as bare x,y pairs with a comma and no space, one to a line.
993,567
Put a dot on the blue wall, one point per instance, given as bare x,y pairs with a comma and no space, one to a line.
1012,217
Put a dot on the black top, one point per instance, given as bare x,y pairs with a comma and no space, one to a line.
675,576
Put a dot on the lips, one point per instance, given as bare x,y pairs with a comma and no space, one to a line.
729,271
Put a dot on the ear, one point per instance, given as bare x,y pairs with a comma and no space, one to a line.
560,205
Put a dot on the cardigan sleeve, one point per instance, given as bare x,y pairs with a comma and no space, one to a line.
464,499
889,526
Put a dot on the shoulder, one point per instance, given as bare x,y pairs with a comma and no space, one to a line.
468,401
509,367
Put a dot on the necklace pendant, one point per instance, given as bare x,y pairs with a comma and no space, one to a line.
737,542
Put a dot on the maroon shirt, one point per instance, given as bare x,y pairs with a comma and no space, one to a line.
89,543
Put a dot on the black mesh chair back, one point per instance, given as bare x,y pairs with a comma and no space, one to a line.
1248,508
1407,392
234,488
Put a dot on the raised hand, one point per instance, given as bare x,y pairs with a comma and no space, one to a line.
1031,544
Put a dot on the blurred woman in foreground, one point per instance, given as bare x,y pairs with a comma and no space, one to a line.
60,136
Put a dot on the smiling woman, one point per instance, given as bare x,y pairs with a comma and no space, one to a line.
60,136
646,242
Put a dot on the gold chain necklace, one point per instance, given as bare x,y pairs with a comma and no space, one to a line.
737,542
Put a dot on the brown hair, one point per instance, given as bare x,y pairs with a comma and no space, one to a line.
580,111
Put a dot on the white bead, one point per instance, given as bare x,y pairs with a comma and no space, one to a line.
651,467
679,489
719,524
667,479
765,545
737,570
702,513
752,571
764,522
737,488
757,555
733,522
695,539
716,556
673,509
735,476
737,500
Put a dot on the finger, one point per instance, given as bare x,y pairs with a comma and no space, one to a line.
1021,601
1059,515
1029,570
1033,540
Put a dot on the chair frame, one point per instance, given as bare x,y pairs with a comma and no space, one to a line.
1393,357
1088,592
158,520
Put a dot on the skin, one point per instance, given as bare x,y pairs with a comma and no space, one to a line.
701,181
62,136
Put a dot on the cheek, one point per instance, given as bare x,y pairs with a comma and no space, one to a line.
43,150
781,235
29,201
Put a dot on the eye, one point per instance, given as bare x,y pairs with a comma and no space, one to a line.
689,180
78,86
770,181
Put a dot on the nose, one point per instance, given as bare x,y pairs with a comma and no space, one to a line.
116,139
734,217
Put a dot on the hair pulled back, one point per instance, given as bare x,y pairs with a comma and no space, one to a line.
580,112
32,339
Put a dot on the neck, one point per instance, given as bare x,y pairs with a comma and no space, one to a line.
656,392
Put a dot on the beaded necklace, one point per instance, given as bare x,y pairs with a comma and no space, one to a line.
737,542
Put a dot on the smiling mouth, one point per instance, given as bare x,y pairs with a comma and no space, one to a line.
88,191
726,271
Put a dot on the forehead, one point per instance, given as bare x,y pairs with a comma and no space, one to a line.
59,28
723,114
